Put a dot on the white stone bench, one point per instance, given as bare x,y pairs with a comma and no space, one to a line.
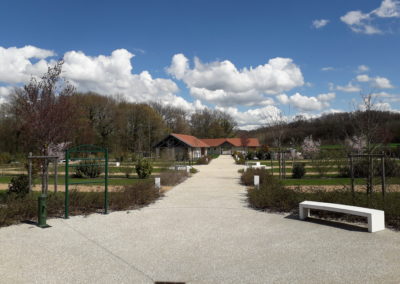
376,218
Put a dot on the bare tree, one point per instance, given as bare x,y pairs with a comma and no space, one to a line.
45,111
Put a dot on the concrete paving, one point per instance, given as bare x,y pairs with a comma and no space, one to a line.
201,232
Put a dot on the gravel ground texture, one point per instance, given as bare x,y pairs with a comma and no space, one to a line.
201,232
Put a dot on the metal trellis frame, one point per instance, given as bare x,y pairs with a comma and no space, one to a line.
86,150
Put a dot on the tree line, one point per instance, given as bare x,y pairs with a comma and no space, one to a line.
49,111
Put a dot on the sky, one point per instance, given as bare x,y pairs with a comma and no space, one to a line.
251,59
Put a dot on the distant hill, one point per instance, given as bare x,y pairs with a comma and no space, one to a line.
331,128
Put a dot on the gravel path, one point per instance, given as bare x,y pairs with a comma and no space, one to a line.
200,232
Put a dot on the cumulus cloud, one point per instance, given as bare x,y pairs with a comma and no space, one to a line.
16,65
349,88
104,74
304,103
320,23
360,22
362,68
376,82
252,118
221,83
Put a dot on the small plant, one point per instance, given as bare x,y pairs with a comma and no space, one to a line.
203,161
170,178
128,171
298,170
19,185
88,169
193,170
143,168
250,155
5,158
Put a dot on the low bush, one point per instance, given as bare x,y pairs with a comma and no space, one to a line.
239,158
5,158
88,169
298,170
203,160
273,196
247,177
213,156
127,171
143,168
14,209
171,178
193,170
19,185
251,155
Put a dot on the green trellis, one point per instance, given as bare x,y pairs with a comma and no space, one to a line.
72,154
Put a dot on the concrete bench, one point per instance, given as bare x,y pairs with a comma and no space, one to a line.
376,218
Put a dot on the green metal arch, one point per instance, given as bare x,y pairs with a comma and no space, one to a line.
85,149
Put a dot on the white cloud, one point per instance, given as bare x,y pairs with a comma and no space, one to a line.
16,65
320,23
349,88
360,22
376,82
304,103
362,68
363,78
252,118
381,83
388,9
328,68
104,74
221,83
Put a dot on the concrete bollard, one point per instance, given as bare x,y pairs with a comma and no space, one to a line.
188,169
117,164
157,182
257,181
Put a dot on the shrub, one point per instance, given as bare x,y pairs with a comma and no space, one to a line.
272,195
193,170
128,171
143,168
250,155
171,178
203,160
247,177
213,156
298,170
19,185
5,158
239,158
89,169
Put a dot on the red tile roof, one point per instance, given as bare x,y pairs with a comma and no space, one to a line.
237,142
190,140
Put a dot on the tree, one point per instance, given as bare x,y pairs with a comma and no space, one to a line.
208,123
45,110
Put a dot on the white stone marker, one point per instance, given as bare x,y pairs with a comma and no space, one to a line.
257,181
117,164
157,182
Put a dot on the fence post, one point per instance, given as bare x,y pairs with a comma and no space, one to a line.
352,175
66,185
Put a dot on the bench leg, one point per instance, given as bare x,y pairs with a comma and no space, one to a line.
376,222
304,212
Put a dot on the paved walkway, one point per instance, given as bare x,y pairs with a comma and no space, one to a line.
200,232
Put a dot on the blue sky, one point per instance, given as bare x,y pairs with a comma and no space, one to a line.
254,58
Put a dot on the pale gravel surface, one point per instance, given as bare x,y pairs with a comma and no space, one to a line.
200,232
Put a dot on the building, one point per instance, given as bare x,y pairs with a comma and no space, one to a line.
185,147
